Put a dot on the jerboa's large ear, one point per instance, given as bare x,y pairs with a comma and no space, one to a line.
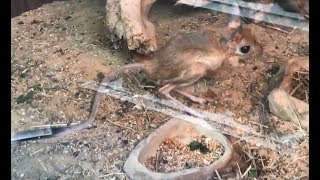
234,23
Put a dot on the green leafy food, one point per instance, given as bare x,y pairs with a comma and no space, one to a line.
194,145
25,98
100,76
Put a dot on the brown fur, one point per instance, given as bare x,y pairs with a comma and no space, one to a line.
189,55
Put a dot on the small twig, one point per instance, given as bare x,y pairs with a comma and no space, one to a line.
48,125
261,95
37,151
110,174
248,94
294,90
157,161
218,175
296,78
271,164
143,86
302,72
263,166
259,124
248,154
275,28
240,169
297,118
246,172
302,177
42,165
147,119
307,97
121,126
164,120
135,78
279,29
55,125
297,159
303,84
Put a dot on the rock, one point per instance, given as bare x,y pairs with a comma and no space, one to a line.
289,108
293,65
303,111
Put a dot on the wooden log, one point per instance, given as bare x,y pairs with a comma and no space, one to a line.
127,19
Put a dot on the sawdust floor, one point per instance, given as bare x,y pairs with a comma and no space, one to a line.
59,46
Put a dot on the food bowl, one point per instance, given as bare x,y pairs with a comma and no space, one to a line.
175,128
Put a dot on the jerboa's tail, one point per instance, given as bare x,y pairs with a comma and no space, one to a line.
95,106
122,70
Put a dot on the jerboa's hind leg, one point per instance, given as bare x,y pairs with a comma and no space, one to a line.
165,90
